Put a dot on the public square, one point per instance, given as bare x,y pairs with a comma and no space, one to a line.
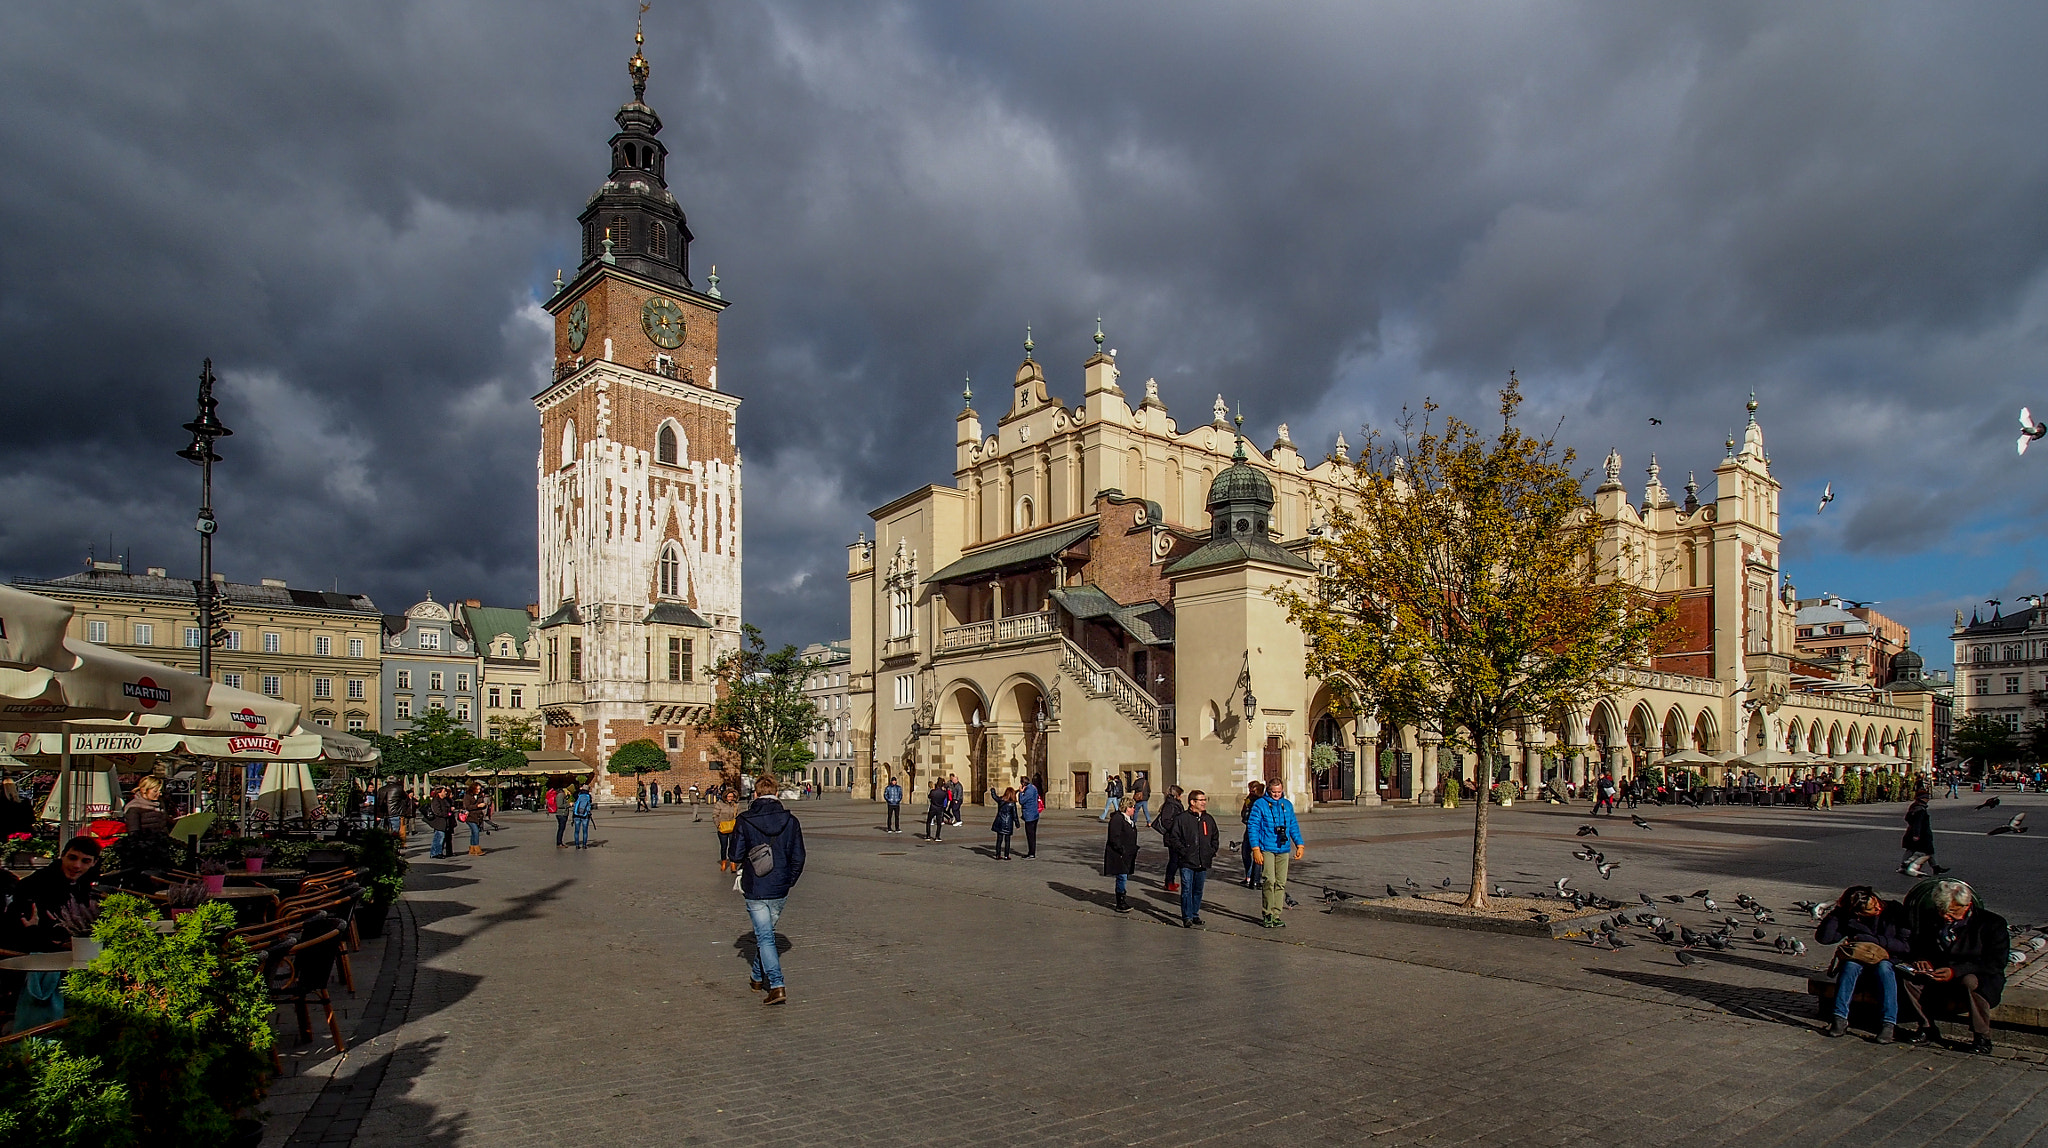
938,996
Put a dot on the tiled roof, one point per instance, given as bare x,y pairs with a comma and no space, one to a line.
675,614
2004,624
1147,621
487,622
1013,555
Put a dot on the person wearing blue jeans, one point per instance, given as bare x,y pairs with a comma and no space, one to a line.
768,847
1112,796
1027,803
1872,935
1193,839
579,813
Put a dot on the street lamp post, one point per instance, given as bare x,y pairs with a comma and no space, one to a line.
206,428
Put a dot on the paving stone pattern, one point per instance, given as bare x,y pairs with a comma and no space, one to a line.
941,997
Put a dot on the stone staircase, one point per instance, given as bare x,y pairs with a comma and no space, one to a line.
1097,681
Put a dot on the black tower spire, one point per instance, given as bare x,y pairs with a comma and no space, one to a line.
633,208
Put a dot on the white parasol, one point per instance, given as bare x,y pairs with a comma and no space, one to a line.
287,792
32,631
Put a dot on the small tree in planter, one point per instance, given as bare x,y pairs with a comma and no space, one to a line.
382,867
1321,760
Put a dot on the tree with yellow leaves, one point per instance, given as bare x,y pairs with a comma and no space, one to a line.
1464,587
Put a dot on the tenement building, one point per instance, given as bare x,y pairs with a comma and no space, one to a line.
430,663
1091,597
510,685
317,648
2002,665
638,477
825,685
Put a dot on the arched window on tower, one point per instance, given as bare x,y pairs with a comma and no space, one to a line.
568,442
657,241
669,572
665,445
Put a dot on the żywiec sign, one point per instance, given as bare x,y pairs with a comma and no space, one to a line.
106,743
253,743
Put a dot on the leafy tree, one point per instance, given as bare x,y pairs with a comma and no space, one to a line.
510,740
1465,582
1985,740
638,757
435,740
761,714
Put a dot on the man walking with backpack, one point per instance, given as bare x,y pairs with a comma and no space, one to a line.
1275,835
768,846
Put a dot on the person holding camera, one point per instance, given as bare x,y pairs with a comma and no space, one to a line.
1871,935
1275,835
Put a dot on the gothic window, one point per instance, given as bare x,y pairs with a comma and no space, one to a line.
568,442
899,611
670,572
665,445
657,241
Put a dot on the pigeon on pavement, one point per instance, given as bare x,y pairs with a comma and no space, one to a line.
1393,892
1711,907
1639,822
1757,933
1646,899
1699,894
1410,882
1588,831
1446,884
1674,898
2012,826
1989,804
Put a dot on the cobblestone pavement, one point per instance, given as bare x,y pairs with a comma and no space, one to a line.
938,996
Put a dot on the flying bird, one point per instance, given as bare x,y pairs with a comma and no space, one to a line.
2012,826
1607,869
1639,822
1588,831
1656,422
2029,429
1991,804
1561,883
1827,495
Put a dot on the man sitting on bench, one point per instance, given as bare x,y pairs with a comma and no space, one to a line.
1958,957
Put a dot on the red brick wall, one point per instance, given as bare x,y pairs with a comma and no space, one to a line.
1687,647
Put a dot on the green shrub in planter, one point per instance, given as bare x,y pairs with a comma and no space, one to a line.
381,866
185,1026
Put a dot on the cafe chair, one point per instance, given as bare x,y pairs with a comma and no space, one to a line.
311,964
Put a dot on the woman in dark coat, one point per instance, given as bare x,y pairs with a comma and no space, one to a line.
1006,820
1120,852
1872,934
1919,840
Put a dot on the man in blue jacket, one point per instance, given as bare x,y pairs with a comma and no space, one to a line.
893,794
768,846
1275,836
1028,800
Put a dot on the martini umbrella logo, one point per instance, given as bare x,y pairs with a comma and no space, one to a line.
247,718
146,691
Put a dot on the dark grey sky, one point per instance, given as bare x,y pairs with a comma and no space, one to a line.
1323,212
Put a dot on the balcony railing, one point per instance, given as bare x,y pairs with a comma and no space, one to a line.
1017,628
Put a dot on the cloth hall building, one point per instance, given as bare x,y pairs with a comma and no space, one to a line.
1090,597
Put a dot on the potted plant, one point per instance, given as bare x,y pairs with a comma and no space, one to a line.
1321,760
382,868
183,897
78,918
254,856
18,853
213,875
1505,792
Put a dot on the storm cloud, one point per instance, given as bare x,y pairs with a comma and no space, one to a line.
1323,212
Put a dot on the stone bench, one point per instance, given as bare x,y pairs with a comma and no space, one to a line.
2020,1006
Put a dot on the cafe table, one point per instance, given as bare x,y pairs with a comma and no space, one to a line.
42,963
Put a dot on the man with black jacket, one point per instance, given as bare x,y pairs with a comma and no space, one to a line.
768,847
1958,954
1169,812
1918,842
1192,838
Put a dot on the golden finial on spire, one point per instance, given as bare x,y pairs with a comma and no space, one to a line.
637,66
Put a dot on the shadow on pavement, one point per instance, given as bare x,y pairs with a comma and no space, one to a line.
1106,899
1782,1006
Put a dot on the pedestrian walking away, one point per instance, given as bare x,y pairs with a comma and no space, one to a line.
558,804
1141,792
1112,796
893,794
1120,851
1918,843
1030,805
1870,935
640,798
1958,956
1253,871
1006,820
1169,809
581,811
1193,839
955,795
1275,834
938,811
768,847
1604,795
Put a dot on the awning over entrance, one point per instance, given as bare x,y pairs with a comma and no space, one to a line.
1014,555
1147,622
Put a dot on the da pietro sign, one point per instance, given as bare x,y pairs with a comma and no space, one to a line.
106,742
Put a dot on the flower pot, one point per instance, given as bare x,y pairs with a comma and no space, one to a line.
174,912
255,864
370,919
21,859
84,950
215,882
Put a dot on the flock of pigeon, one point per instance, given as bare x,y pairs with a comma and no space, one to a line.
1726,932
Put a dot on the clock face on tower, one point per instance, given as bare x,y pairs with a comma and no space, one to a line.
662,319
579,324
